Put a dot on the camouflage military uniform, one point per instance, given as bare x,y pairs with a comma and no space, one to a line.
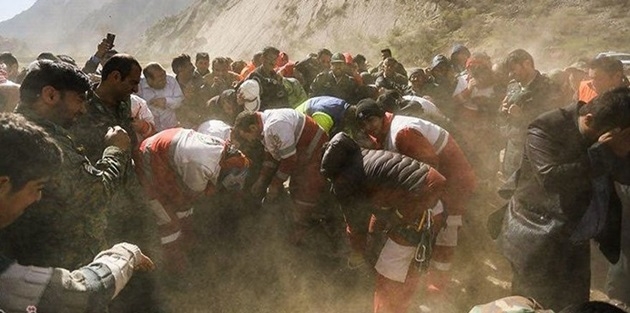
325,84
67,227
90,129
129,218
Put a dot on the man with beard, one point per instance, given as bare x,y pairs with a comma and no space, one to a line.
293,144
23,174
128,217
67,227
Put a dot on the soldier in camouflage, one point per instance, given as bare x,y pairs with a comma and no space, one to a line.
128,217
67,228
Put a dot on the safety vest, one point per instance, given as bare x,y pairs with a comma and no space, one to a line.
435,134
281,130
178,163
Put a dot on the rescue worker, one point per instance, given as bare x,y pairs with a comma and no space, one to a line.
23,174
431,144
293,144
403,190
329,113
176,167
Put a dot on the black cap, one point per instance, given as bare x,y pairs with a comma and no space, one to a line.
367,108
338,58
439,59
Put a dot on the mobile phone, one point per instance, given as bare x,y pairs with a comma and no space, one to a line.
110,38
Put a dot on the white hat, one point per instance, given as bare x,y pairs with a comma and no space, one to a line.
249,93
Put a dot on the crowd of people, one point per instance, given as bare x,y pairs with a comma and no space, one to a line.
116,153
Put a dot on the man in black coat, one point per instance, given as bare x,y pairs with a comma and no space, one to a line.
553,190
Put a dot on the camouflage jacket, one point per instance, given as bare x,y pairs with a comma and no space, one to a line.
325,84
90,129
66,228
128,215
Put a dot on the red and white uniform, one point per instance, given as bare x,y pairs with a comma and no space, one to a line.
431,144
177,166
294,141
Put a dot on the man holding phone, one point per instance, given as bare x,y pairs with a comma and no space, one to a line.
104,51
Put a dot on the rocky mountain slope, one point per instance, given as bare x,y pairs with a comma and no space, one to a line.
554,30
76,26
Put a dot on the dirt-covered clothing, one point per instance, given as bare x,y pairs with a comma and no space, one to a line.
176,167
553,190
273,95
87,289
67,227
294,141
328,112
327,84
397,186
539,96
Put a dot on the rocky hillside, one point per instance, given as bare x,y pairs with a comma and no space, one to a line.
553,30
557,32
76,26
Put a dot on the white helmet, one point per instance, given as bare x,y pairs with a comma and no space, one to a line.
248,93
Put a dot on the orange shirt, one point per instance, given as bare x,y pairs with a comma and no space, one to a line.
586,92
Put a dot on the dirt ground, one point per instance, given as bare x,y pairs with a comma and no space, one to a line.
245,263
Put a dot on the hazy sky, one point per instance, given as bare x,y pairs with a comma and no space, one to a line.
11,8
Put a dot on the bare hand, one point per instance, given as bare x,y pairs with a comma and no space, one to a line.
118,137
158,102
618,141
102,48
472,83
515,111
145,264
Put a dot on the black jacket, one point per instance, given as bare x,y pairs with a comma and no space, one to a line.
366,169
553,189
